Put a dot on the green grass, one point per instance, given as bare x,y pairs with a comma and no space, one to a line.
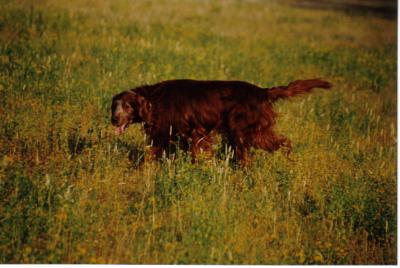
72,192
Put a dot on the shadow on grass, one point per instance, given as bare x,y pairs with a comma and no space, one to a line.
384,8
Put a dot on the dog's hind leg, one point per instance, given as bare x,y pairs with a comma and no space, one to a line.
283,142
272,142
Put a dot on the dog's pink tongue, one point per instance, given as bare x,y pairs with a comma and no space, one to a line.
119,130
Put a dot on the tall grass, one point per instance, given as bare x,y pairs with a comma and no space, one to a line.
72,192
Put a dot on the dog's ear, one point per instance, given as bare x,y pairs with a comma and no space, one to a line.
141,104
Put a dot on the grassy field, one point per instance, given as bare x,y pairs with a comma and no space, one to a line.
72,192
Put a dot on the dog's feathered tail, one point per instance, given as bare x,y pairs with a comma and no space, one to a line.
296,88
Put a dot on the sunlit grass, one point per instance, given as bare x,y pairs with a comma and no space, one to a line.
72,192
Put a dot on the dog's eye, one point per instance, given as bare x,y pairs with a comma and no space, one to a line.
126,107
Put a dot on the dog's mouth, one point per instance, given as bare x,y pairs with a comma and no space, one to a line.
119,130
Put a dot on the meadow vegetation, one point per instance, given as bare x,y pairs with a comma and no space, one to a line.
73,192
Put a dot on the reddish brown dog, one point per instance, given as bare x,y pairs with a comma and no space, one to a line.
189,111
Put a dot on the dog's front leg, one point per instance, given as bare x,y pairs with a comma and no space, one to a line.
201,146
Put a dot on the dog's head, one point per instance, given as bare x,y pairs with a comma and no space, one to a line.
128,107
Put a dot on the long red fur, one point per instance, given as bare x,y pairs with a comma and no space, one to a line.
193,111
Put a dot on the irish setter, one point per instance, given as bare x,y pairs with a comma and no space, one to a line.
188,112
